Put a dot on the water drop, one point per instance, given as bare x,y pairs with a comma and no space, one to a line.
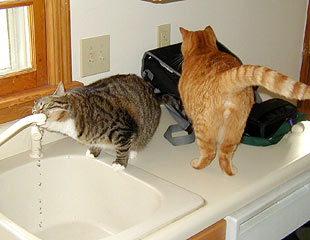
39,184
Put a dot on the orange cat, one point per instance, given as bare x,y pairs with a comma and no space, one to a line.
217,94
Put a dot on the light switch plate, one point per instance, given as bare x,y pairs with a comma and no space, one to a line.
95,55
163,35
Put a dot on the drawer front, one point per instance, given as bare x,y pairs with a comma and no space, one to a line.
274,220
280,219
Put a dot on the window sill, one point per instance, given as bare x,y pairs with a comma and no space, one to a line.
18,105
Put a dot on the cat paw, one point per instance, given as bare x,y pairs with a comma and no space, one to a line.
231,171
117,167
195,163
133,154
199,163
89,154
234,171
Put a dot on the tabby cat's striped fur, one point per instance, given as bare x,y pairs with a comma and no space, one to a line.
120,112
217,95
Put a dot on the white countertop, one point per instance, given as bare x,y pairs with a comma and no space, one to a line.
260,169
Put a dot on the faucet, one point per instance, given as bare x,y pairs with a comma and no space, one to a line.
35,120
36,137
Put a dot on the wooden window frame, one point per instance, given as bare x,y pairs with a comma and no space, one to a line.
36,75
56,56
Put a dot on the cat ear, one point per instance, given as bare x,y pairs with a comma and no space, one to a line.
183,31
209,30
210,34
208,27
60,91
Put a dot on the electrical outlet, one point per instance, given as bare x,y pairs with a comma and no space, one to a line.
163,35
95,55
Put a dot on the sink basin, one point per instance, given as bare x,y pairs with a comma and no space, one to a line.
70,197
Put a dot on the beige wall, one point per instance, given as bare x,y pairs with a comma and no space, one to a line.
265,32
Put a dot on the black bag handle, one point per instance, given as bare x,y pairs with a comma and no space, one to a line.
182,126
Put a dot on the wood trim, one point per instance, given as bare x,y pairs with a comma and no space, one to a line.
18,105
304,106
58,49
18,3
215,232
58,41
40,56
25,79
13,99
37,75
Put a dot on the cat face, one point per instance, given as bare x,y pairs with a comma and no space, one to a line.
46,105
197,41
51,103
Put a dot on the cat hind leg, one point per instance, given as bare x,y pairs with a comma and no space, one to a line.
225,158
117,167
122,149
233,130
207,153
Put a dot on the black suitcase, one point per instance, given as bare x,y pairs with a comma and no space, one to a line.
162,68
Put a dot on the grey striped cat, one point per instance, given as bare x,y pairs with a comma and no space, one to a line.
120,111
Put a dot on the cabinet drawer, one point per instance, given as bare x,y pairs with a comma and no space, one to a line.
272,220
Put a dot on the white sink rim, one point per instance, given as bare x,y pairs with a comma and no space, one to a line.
171,209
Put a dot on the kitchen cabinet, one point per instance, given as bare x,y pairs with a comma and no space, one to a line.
215,232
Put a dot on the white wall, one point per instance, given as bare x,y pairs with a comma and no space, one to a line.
265,32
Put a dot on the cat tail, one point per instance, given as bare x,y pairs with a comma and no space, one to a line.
238,78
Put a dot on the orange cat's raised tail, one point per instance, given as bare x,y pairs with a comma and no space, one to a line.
238,78
223,95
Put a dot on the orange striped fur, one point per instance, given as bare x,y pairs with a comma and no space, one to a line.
216,91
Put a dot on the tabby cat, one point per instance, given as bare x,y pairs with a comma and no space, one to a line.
120,111
217,94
